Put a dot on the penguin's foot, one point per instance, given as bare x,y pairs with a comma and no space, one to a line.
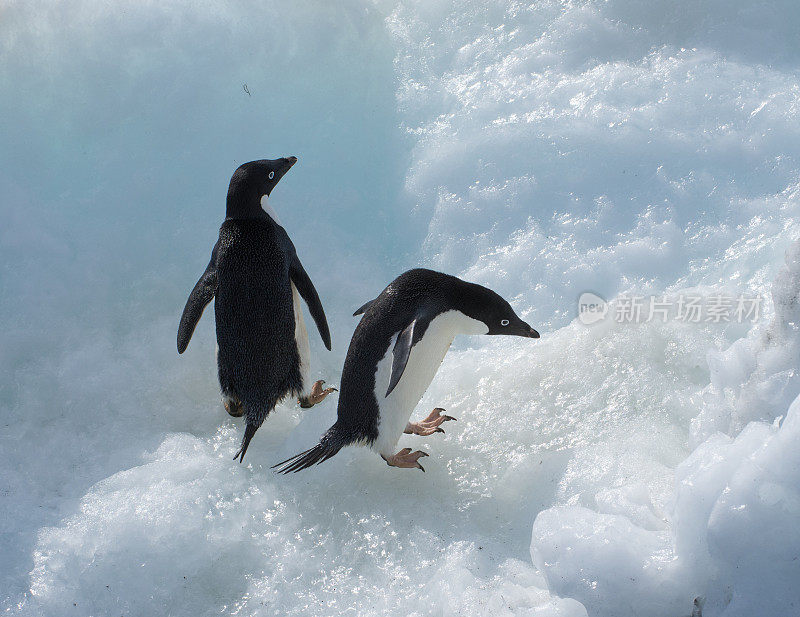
317,395
405,459
429,425
233,406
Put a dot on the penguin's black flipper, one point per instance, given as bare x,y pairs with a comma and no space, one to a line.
363,308
306,288
201,295
407,338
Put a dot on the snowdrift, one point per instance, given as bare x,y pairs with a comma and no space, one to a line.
543,149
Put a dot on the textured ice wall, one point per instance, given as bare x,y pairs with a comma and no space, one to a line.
566,147
757,377
549,148
599,145
121,124
727,534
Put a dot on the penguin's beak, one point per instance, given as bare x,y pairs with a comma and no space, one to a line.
526,330
291,160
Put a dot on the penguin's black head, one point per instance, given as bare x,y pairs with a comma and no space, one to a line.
252,181
485,305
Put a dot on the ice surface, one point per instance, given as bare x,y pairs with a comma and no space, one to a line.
544,149
727,533
733,539
757,377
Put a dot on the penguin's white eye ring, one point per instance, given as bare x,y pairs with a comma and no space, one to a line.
504,322
271,175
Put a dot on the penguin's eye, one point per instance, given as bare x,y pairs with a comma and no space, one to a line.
271,175
504,322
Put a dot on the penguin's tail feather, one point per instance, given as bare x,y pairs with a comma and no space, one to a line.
313,456
249,431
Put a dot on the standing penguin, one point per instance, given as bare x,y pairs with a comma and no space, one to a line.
396,350
257,279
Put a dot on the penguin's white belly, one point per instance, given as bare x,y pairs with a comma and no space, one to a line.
301,340
424,360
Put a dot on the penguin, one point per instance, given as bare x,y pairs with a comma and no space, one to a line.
394,354
256,281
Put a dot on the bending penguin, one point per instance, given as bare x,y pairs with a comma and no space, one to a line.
394,354
257,280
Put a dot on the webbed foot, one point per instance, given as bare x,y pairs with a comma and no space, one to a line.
429,425
405,459
233,406
317,395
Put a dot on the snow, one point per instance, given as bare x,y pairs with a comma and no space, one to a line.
731,540
543,149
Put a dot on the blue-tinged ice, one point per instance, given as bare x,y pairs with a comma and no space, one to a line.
544,149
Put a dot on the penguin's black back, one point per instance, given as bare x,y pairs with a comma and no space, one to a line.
258,358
